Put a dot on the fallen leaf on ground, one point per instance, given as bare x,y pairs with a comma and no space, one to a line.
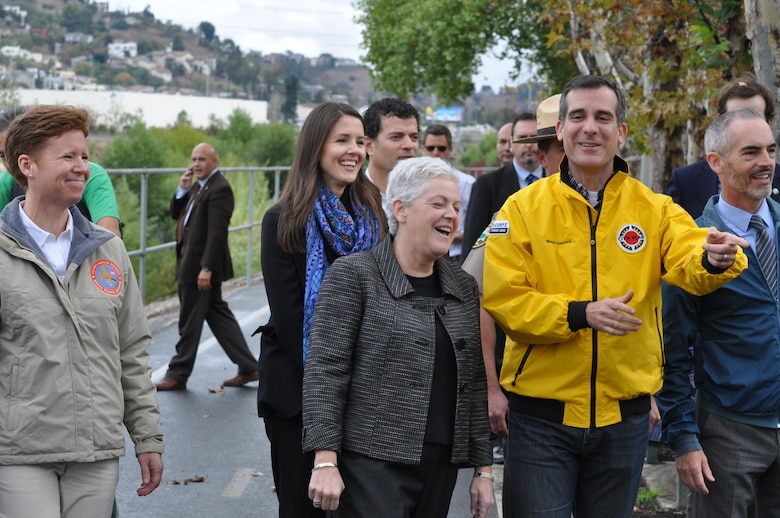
195,478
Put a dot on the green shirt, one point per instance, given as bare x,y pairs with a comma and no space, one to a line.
98,196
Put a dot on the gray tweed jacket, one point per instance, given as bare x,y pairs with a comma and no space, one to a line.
369,368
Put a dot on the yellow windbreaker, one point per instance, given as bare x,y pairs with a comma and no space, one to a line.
548,248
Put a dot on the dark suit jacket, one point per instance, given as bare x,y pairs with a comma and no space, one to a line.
488,194
691,186
281,345
205,239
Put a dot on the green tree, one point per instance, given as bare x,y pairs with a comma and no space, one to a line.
183,119
670,58
150,148
82,68
290,105
427,46
480,153
178,42
146,46
77,19
207,30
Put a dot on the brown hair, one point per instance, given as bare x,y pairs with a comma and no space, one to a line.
30,131
746,87
300,189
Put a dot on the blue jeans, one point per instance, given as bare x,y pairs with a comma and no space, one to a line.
557,469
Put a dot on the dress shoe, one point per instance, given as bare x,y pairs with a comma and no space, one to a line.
170,384
241,379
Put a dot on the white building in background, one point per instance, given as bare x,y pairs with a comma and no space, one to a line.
156,110
121,49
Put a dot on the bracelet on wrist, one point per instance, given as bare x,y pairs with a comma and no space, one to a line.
325,465
484,474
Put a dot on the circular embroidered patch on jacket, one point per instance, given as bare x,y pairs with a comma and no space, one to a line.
106,277
631,238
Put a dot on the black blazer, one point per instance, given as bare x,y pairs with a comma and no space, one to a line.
205,238
691,186
488,194
281,344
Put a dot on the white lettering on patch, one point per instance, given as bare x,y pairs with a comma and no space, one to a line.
500,227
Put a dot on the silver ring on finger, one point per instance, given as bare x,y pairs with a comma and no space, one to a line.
725,257
317,503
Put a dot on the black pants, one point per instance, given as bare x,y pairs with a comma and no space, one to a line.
381,489
291,467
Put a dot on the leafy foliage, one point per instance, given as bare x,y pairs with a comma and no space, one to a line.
480,153
670,57
290,105
239,142
207,30
77,18
430,47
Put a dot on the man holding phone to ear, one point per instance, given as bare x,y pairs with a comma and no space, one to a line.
203,209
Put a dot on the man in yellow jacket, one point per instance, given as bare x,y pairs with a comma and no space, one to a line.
573,271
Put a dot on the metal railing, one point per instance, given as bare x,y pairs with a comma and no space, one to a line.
143,250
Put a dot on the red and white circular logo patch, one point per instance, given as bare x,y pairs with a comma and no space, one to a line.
631,238
107,277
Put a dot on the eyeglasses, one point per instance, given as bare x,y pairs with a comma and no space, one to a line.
441,149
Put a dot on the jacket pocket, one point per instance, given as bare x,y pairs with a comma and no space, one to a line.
522,363
13,396
661,347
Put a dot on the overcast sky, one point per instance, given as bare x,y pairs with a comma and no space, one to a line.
308,27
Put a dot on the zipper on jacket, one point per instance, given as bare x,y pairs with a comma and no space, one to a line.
522,363
660,339
595,296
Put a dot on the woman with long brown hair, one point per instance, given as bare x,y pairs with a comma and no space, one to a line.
328,209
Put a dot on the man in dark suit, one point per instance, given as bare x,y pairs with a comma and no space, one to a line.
693,185
203,211
491,190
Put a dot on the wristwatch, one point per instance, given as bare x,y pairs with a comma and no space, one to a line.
206,269
484,474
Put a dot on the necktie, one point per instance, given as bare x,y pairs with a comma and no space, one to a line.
531,178
184,215
765,250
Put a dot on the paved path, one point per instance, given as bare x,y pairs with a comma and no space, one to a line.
216,434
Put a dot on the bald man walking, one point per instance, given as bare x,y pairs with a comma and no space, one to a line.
203,209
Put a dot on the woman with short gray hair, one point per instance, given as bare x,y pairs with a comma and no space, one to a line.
394,391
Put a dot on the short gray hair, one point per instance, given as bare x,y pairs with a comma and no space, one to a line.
409,179
717,138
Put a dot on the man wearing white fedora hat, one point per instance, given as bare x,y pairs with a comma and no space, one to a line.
550,154
549,150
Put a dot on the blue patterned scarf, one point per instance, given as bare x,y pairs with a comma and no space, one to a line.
343,233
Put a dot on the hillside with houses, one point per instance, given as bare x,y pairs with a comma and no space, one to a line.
84,45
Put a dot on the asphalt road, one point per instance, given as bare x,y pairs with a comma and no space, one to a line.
217,461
